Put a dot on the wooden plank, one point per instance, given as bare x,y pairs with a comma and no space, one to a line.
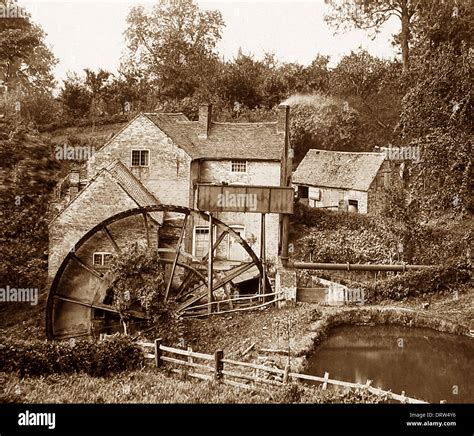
85,266
193,374
176,257
112,240
186,353
210,277
242,198
311,295
254,366
186,363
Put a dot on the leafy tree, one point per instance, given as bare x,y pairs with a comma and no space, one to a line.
28,176
437,110
242,81
371,15
25,60
174,44
319,121
98,85
371,85
75,97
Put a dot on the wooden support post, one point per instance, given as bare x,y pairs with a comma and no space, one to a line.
285,374
325,384
158,352
147,230
284,239
263,255
218,364
210,264
176,257
190,358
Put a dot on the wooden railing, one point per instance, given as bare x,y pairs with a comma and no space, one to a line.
256,377
262,301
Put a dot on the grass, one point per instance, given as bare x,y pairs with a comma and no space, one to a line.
149,386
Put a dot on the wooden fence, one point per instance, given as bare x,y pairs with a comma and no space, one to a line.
251,302
257,377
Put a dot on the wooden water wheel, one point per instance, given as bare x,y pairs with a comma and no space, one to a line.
79,301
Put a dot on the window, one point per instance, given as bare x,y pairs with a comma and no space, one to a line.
101,259
303,191
201,241
140,158
239,166
353,206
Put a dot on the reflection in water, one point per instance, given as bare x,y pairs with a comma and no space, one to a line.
424,363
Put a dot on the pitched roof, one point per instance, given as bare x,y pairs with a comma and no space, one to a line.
338,169
129,183
253,141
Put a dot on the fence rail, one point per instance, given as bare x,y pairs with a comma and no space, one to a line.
215,368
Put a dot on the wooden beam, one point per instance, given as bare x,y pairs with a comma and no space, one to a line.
210,265
176,257
86,267
201,263
147,230
112,240
263,255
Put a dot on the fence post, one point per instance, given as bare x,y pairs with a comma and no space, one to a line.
158,352
285,374
218,364
325,384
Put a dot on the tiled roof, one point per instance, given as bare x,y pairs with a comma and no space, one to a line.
134,188
337,169
254,141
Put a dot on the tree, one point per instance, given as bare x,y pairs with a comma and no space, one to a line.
242,81
75,97
370,85
25,60
98,85
371,15
174,44
319,121
28,177
437,111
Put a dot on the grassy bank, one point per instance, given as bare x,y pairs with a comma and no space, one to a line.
149,386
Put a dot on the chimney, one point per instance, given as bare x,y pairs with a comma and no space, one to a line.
205,114
283,118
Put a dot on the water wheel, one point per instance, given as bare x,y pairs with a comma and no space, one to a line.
79,301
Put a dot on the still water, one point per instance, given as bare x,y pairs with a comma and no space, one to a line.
424,363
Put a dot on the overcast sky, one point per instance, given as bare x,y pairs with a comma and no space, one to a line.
89,34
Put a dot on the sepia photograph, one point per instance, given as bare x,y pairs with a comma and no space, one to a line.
220,211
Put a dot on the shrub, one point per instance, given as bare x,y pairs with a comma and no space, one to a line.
418,282
37,358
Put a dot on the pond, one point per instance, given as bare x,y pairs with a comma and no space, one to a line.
424,363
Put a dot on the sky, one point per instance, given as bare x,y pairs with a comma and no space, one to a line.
89,34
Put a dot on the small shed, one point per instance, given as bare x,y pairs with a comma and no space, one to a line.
350,181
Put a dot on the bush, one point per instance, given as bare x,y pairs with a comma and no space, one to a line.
35,358
418,282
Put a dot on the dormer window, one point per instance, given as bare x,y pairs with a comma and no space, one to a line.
140,158
238,166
